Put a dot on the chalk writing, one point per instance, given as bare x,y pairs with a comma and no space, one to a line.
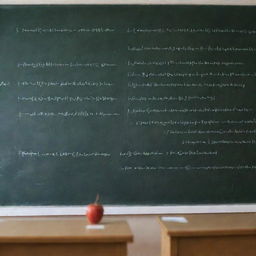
150,111
60,99
194,74
63,154
195,142
193,122
236,122
168,153
190,48
144,153
216,142
188,168
64,84
81,114
4,83
50,64
64,30
220,131
186,62
171,98
192,30
210,85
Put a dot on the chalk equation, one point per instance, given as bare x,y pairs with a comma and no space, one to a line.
54,84
180,153
136,85
49,64
171,98
218,142
201,122
207,30
150,111
188,168
190,74
64,154
191,48
217,131
183,62
67,114
41,30
61,99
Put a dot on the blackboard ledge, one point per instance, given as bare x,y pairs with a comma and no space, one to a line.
125,210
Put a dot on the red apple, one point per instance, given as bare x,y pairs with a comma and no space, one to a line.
95,212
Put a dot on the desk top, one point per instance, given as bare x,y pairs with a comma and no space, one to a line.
212,224
61,230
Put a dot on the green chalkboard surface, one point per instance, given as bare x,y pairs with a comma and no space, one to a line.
146,105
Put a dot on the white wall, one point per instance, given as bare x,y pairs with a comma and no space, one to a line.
146,234
146,231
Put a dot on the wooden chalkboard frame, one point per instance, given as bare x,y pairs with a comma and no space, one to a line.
127,210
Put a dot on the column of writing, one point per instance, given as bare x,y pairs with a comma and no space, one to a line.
66,89
188,97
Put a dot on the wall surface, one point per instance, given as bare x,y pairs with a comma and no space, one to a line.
146,234
146,231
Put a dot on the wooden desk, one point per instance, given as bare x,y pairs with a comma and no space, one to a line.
62,236
210,235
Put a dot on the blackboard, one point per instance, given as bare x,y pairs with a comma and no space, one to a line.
145,105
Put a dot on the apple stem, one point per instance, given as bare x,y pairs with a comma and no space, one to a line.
97,199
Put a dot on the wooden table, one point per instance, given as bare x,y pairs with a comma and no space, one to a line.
62,236
210,235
